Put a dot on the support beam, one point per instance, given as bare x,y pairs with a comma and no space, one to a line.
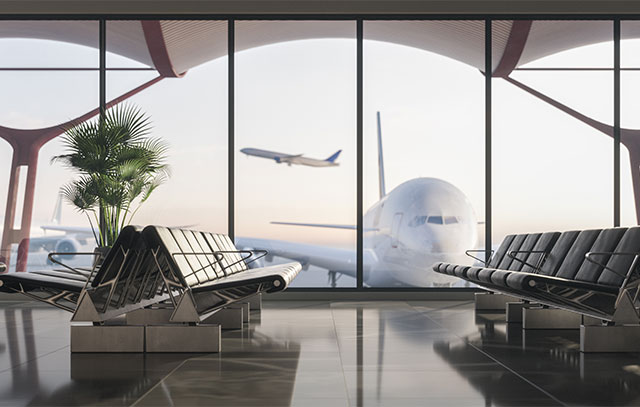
26,145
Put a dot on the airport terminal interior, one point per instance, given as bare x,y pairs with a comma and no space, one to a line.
308,203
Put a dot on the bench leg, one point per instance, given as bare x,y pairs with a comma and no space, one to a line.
492,302
246,310
255,302
616,338
549,318
514,312
228,318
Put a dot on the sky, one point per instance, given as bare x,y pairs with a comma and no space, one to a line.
550,172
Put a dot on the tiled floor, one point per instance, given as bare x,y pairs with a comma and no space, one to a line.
321,354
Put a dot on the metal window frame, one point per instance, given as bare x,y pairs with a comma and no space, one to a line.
359,20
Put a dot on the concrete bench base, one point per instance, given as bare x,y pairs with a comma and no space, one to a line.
228,318
203,338
255,302
602,338
492,302
514,312
549,318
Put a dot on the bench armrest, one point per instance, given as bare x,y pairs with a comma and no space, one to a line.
544,253
589,257
72,269
218,254
485,262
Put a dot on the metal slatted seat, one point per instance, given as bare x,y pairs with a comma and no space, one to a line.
207,271
589,272
198,272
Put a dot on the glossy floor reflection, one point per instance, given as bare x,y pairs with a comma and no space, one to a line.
321,354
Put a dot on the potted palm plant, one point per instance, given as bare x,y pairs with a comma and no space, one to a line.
119,166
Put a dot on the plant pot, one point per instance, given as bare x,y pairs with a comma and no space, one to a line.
99,254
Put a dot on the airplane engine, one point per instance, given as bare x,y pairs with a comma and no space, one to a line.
66,246
255,264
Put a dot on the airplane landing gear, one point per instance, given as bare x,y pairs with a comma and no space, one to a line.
333,278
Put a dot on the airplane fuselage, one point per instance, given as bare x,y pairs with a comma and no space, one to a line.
289,159
420,222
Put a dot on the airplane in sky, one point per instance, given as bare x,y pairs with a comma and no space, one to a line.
289,159
418,223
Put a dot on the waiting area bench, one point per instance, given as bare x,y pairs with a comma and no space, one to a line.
192,273
591,272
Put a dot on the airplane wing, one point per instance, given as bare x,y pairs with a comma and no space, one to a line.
287,158
322,225
342,261
83,230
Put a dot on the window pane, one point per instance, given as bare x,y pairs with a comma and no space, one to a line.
630,123
422,79
552,168
188,109
295,108
49,78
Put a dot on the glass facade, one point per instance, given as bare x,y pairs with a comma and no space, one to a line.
423,116
552,166
296,100
410,115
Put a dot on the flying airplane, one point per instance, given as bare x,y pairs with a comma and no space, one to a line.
418,223
290,159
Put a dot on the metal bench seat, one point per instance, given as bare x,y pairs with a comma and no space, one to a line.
206,272
589,271
198,272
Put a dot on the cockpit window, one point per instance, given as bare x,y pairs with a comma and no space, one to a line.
448,220
418,221
434,220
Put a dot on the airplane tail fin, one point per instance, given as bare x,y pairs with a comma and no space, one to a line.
56,217
381,185
334,157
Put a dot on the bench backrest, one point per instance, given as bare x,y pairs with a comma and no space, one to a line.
516,243
630,243
575,256
189,254
127,274
607,241
497,256
128,238
529,243
544,245
553,260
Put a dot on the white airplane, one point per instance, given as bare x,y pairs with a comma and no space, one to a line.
418,223
289,159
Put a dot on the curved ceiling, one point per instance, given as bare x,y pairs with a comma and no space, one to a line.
175,46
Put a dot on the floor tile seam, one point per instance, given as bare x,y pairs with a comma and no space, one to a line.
33,359
146,393
344,375
540,389
442,308
314,303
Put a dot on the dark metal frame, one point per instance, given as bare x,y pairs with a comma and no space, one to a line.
359,20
